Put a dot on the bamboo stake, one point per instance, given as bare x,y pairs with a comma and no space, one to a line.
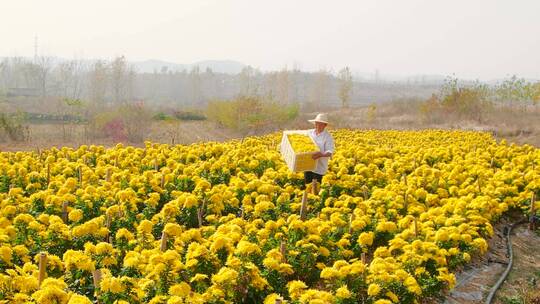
42,267
303,206
415,227
532,224
108,176
156,164
314,186
351,219
65,212
365,194
162,183
48,174
163,244
199,217
479,184
80,174
406,201
363,258
283,251
108,221
96,275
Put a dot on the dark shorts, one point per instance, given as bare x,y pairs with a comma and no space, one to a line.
310,176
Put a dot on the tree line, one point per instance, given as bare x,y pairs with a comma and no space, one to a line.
117,82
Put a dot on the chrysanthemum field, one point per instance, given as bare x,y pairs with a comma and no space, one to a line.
397,214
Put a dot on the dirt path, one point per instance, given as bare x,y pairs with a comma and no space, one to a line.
475,281
522,284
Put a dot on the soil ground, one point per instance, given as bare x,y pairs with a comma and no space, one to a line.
475,281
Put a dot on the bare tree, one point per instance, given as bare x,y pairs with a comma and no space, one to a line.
319,91
283,86
98,83
195,81
69,75
345,86
248,83
43,66
119,72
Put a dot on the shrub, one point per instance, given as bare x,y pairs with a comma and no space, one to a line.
161,116
189,115
250,113
127,122
13,127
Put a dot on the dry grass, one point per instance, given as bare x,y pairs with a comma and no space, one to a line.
519,125
177,132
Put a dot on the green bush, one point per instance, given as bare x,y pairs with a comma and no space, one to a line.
127,122
13,127
250,113
161,116
189,115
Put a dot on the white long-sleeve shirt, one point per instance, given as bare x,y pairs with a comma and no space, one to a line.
325,142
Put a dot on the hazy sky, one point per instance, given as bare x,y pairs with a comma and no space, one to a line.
469,38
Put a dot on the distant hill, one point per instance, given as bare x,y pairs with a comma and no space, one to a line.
217,66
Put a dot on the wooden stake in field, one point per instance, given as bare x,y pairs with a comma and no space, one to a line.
351,219
162,183
303,207
108,176
365,193
163,244
415,227
79,169
156,164
479,180
200,217
42,267
96,275
532,223
48,174
406,201
283,251
314,187
65,212
363,257
108,226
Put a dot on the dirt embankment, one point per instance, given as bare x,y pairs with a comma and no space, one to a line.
476,279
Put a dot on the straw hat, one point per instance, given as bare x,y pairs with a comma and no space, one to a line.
321,117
